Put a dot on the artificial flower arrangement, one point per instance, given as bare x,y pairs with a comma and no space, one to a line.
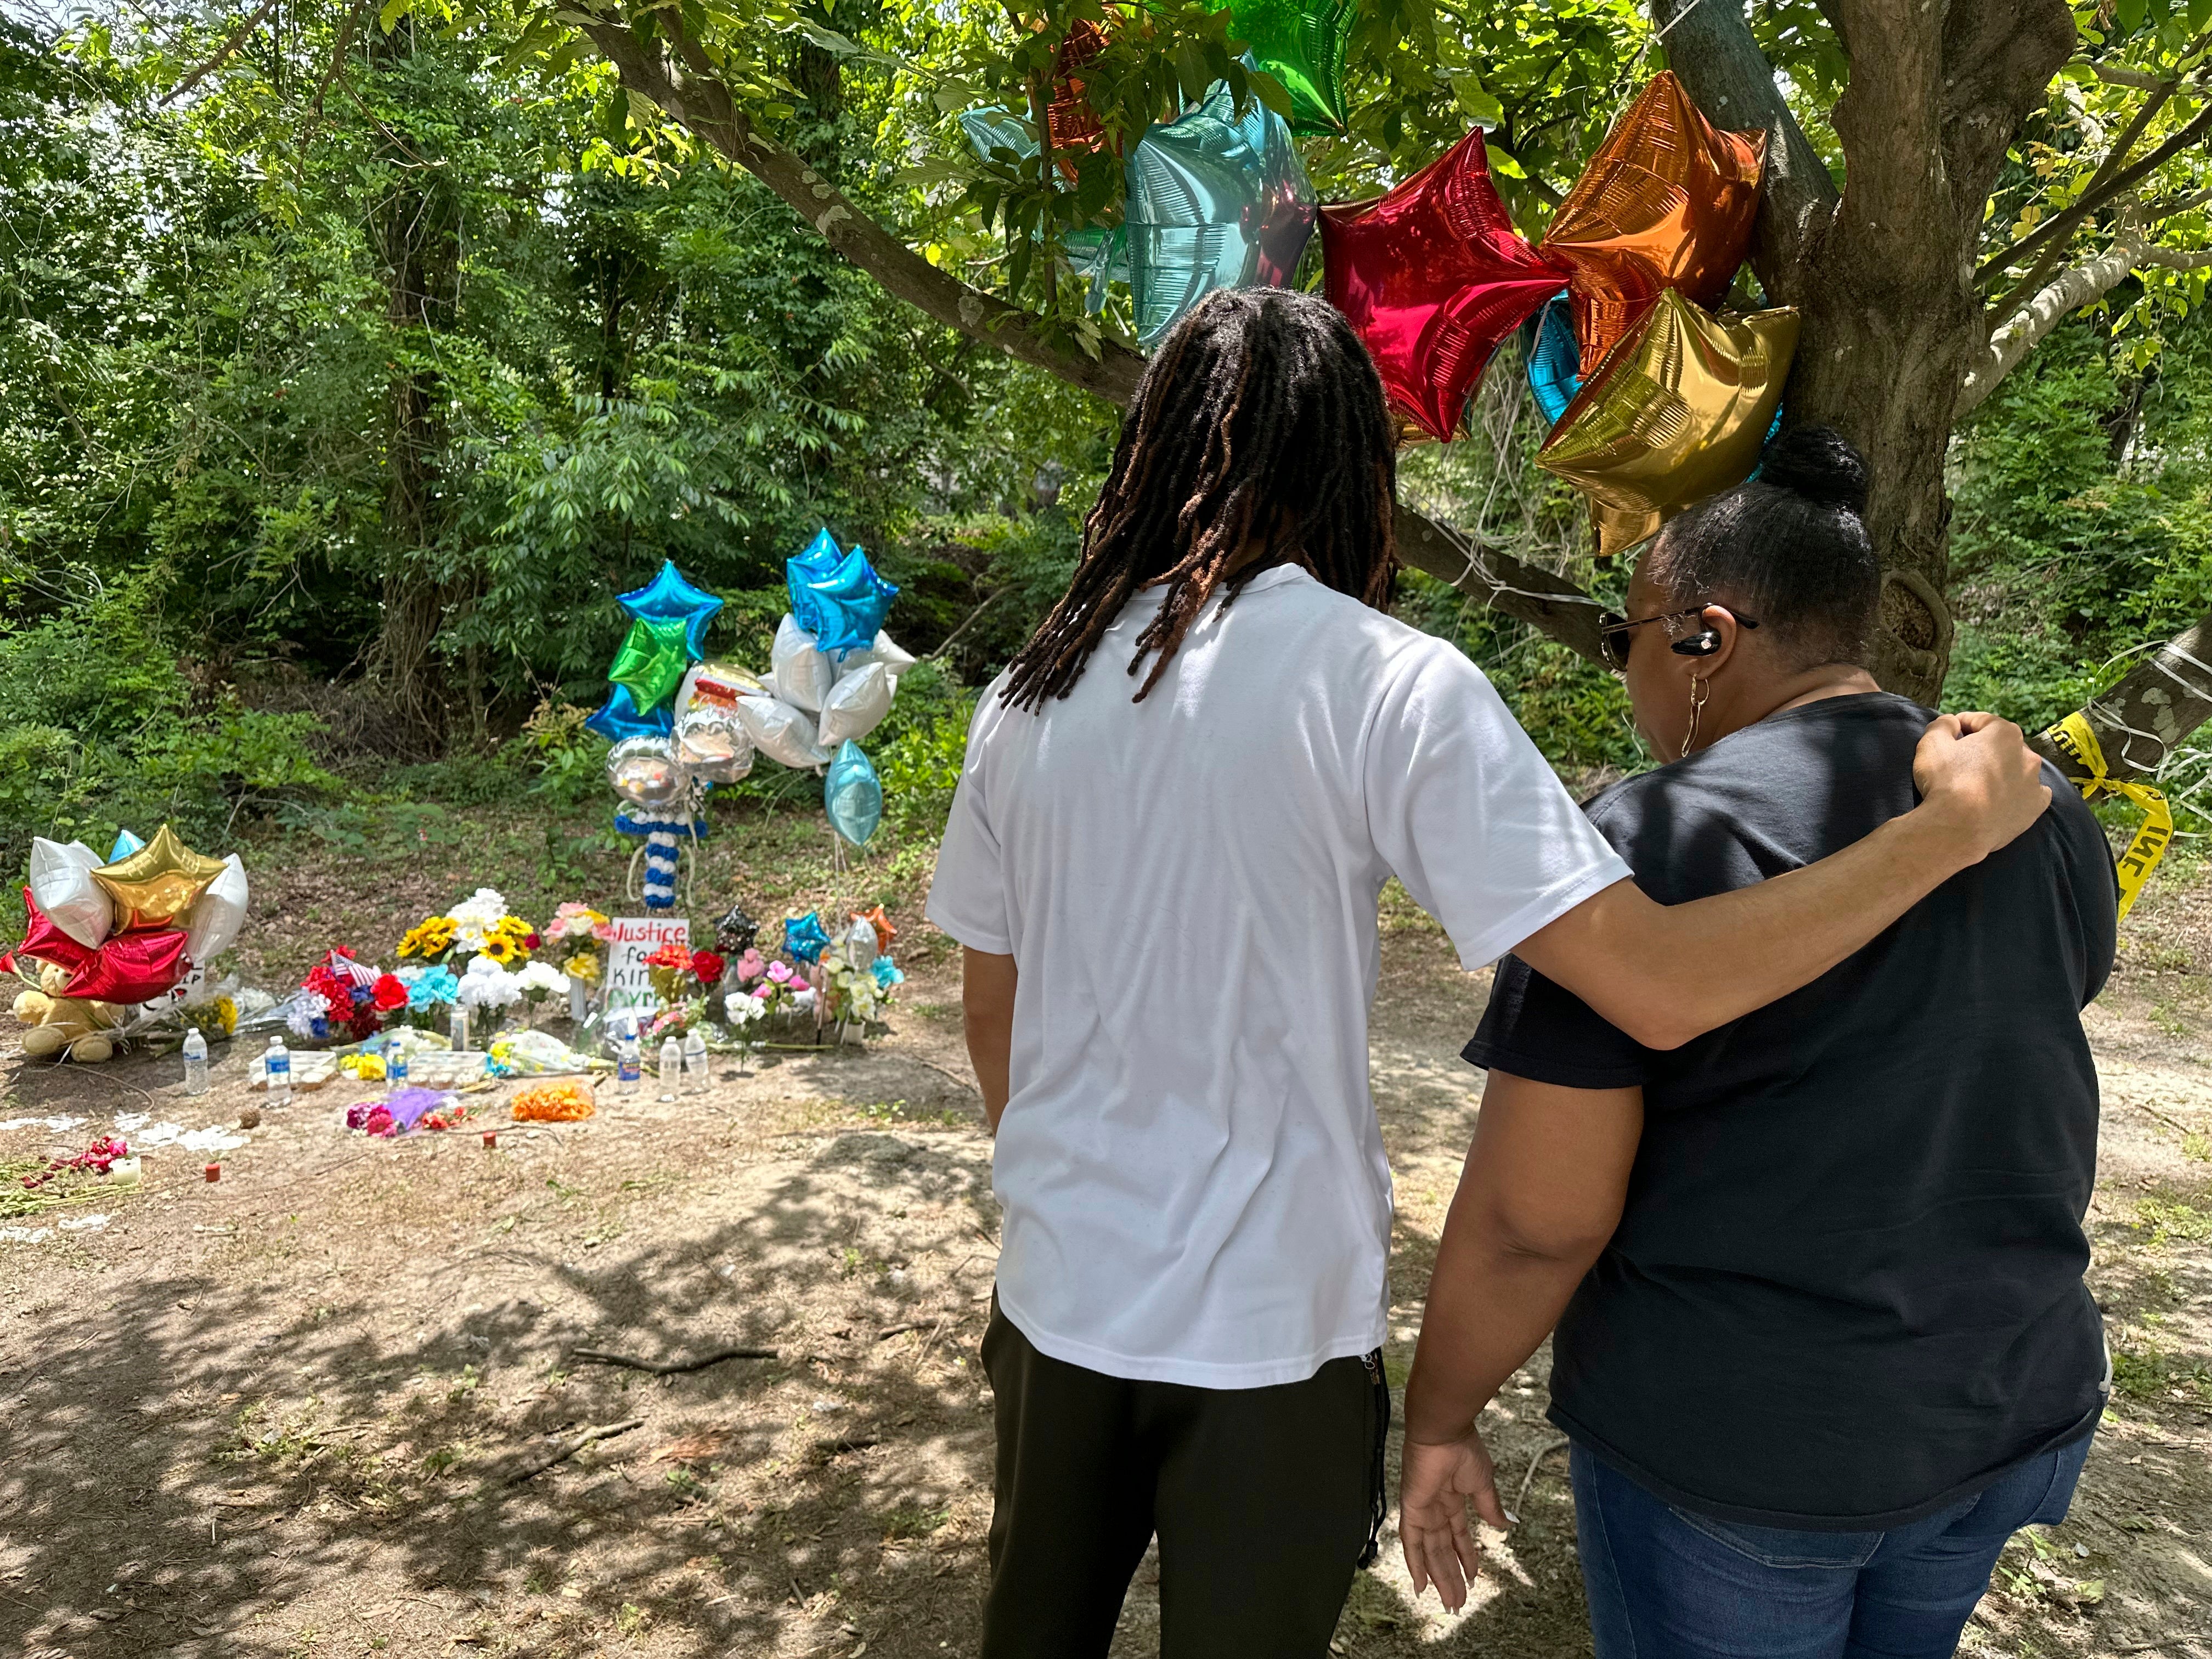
682,979
480,925
575,942
431,994
342,998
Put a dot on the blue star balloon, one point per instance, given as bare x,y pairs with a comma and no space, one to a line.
669,597
126,844
1214,202
818,560
853,795
621,717
1095,252
1553,356
803,938
848,606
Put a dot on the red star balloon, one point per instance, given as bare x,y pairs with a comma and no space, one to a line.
133,967
42,939
1668,200
1433,277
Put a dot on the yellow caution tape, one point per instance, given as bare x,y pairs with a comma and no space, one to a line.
2074,738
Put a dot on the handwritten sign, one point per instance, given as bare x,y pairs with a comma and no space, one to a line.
629,983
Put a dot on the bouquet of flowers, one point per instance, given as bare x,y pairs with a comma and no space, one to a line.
679,973
343,997
775,988
575,941
480,925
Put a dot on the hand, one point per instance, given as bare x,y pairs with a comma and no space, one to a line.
1977,772
1434,1486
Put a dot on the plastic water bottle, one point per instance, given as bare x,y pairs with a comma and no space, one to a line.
671,1068
695,1063
277,1062
395,1066
195,1079
627,1067
457,1028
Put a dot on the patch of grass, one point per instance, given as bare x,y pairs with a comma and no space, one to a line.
913,1521
2167,1219
2198,1147
633,1619
2147,1372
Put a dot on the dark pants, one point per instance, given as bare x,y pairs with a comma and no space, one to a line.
1663,1582
1263,1499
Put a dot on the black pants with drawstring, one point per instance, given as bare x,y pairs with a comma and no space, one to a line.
1265,1501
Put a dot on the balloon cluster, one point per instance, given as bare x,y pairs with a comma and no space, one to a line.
833,674
682,724
1655,402
130,929
1214,200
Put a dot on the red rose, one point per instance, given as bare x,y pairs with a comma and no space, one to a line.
388,992
709,966
531,941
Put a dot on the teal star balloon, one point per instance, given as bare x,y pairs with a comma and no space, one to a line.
652,660
1097,254
1301,43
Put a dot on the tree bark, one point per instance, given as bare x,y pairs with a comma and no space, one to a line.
416,233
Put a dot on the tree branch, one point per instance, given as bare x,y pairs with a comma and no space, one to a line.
1710,47
694,97
1550,603
2163,699
2055,229
2072,289
238,37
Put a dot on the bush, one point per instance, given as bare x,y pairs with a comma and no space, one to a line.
101,731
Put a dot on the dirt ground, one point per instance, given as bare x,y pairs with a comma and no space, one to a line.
331,1403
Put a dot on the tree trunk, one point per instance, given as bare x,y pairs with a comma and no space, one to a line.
416,235
2165,697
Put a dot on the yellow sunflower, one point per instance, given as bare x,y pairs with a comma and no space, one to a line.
432,936
500,948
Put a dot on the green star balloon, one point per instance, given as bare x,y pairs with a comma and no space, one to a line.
652,660
1301,43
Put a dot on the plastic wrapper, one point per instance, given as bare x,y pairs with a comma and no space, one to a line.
534,1054
553,1103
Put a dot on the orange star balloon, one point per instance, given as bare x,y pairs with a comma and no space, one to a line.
1678,411
1433,276
1067,118
1668,200
158,883
875,919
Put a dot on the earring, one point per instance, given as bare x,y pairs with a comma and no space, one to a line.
1699,690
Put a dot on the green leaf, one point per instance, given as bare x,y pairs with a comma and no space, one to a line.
2129,14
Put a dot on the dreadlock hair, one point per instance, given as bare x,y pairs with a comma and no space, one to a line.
1260,415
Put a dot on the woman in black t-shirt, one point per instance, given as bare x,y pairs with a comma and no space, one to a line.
1823,1341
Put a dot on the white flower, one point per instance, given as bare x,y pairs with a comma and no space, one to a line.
541,977
743,1007
487,985
253,1000
474,917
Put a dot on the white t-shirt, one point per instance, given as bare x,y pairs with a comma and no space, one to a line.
1192,1179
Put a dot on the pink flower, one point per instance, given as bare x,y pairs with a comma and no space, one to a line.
605,933
749,965
778,972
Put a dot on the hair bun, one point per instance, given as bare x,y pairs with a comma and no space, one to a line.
1820,464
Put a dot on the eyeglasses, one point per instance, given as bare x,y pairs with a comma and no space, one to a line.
1613,630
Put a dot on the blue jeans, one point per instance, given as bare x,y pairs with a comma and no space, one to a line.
1664,1584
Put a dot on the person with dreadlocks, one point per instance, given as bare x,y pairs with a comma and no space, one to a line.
1165,884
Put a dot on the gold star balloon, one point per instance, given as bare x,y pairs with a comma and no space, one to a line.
1667,201
158,883
1676,412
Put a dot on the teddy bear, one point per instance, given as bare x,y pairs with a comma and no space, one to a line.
72,1027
